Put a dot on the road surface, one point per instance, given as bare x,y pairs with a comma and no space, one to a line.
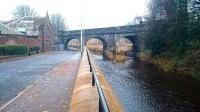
15,76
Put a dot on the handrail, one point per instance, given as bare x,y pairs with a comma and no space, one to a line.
103,106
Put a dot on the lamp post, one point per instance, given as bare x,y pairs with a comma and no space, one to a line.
81,29
81,36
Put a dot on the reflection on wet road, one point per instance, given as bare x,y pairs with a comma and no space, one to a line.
142,88
15,76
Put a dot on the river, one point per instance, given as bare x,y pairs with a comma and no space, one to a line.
141,87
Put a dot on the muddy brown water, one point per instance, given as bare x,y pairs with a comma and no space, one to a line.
141,87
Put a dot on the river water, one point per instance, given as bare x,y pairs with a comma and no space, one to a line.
141,87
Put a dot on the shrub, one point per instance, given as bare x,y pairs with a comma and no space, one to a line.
95,48
144,56
121,58
13,50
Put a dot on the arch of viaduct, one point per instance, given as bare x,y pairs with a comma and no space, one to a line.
109,36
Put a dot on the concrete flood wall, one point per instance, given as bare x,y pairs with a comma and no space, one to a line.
85,96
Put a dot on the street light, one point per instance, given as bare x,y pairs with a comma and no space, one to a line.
81,28
81,35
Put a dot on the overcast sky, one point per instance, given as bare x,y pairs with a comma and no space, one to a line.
95,13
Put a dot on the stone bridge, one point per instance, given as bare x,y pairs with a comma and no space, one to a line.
109,36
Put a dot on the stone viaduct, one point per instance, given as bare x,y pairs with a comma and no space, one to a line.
109,36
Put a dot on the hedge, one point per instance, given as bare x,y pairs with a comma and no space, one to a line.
19,49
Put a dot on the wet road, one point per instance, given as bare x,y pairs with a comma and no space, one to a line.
15,76
142,88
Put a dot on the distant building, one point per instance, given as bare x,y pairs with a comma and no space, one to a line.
8,31
9,36
38,28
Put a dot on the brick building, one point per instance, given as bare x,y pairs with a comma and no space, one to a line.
32,31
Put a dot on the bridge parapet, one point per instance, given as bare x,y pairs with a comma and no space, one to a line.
109,30
86,96
109,36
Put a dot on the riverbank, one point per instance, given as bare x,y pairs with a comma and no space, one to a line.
181,65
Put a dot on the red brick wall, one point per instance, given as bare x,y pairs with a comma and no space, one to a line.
33,42
15,39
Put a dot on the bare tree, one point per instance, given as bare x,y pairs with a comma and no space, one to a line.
156,9
24,10
58,22
161,9
136,20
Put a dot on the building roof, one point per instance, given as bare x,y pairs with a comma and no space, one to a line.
27,25
7,30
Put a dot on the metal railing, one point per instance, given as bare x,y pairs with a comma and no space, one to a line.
103,106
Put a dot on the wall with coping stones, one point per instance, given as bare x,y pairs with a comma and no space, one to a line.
19,39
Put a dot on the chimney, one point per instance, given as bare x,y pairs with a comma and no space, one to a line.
47,14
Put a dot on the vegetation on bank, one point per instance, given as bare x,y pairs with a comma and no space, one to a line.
180,65
19,49
119,57
173,36
98,48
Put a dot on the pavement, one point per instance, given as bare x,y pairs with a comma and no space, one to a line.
24,82
18,57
